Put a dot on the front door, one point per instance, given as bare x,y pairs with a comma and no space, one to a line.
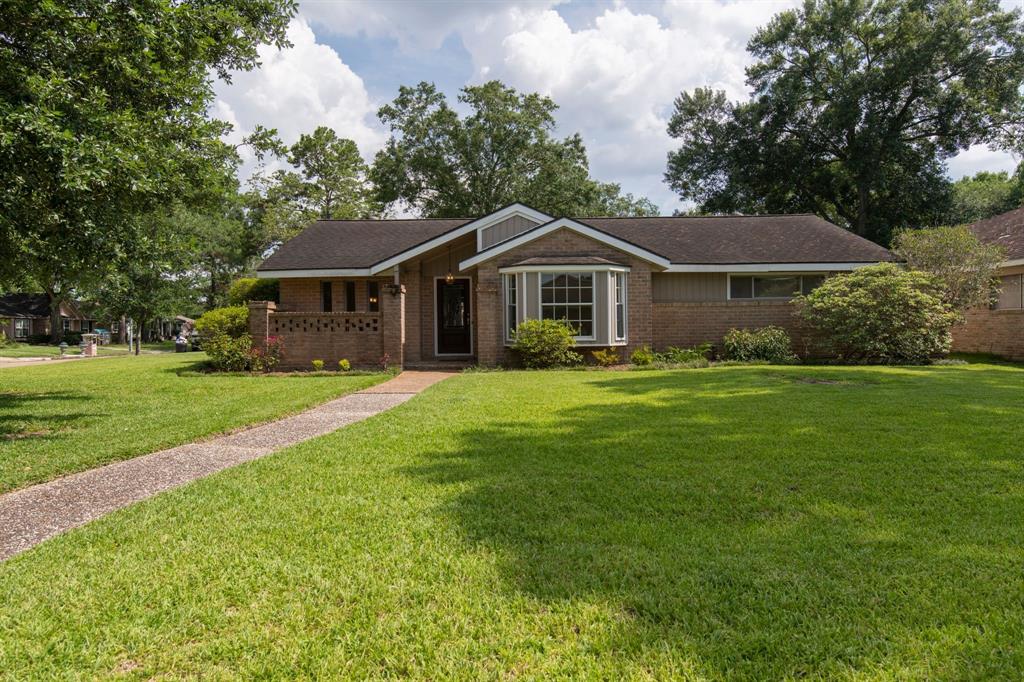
452,313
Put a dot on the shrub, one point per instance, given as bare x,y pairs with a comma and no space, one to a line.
72,338
344,365
546,343
248,289
266,360
38,339
880,313
606,357
318,365
229,354
642,356
232,322
685,356
768,344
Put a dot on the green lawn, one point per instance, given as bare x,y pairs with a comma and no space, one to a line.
729,523
24,350
64,417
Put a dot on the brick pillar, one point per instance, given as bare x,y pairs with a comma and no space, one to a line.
259,321
392,322
489,347
411,278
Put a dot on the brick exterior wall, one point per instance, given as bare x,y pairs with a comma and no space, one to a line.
489,327
690,324
1000,332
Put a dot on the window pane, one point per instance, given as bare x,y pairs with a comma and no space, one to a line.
350,297
546,279
586,280
326,302
741,287
812,282
776,287
373,296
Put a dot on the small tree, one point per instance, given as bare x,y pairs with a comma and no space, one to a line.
963,266
880,313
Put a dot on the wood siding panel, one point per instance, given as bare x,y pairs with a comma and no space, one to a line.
689,287
506,229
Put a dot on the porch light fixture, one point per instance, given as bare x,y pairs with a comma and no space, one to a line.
449,278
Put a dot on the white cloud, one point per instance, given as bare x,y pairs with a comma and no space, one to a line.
297,89
980,158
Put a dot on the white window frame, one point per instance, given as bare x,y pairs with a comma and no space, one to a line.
65,324
510,305
593,296
620,299
799,275
23,325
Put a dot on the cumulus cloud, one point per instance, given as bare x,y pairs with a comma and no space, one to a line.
297,89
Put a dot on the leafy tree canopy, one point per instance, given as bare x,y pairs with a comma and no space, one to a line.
855,106
103,118
964,267
445,165
986,194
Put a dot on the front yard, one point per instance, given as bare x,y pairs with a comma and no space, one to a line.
736,522
61,418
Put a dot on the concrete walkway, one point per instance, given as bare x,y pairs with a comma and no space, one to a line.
31,515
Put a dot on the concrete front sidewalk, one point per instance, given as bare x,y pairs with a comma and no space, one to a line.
31,515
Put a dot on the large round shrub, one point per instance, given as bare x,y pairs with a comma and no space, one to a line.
880,313
232,322
767,344
546,343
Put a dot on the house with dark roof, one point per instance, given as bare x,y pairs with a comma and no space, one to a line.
25,315
424,292
999,329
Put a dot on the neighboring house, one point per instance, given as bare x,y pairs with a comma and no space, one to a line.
1000,328
24,315
428,291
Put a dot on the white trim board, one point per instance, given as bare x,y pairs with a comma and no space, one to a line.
766,267
566,267
570,224
1012,263
441,240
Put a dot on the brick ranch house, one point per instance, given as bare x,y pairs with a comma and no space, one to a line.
1000,328
426,292
25,315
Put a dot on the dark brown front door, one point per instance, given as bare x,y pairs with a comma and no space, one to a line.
452,313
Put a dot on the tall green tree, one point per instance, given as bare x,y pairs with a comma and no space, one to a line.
328,180
855,106
444,165
986,194
103,118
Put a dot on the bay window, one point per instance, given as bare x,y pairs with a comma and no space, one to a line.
620,305
511,305
569,296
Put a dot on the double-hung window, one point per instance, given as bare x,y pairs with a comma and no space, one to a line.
569,296
620,305
511,305
20,329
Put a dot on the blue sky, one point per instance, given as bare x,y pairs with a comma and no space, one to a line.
612,67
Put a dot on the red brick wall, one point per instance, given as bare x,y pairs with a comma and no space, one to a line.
690,324
991,331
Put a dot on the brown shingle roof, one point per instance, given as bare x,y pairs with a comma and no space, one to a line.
335,244
331,244
1006,229
743,239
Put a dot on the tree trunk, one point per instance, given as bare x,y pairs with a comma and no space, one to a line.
138,337
56,327
122,331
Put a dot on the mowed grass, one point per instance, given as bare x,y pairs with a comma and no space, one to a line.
24,350
731,523
61,418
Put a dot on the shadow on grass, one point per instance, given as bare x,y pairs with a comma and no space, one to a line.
17,421
756,524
